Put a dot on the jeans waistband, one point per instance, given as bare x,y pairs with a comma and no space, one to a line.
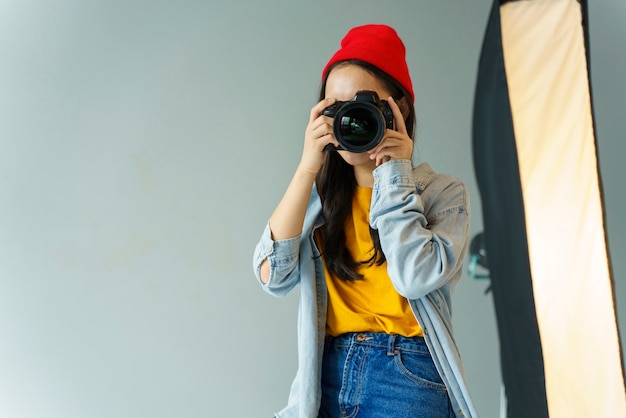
377,339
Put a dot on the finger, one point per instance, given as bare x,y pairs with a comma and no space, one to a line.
319,107
393,146
324,140
388,142
322,128
382,151
397,116
320,134
380,159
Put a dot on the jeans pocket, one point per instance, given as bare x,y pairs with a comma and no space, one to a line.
418,367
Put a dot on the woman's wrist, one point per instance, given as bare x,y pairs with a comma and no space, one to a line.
306,174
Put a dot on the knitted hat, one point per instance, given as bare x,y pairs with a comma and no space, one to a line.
378,45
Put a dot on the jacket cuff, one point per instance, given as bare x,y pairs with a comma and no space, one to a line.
394,173
279,253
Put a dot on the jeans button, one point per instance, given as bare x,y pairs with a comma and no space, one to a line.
361,337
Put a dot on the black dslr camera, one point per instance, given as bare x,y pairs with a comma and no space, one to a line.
359,124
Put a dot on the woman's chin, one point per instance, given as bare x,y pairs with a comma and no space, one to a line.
357,158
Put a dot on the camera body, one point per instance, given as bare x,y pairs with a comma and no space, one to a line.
360,123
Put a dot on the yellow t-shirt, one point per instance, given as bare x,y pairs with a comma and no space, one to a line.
372,304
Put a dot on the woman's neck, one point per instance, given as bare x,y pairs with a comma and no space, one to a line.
363,175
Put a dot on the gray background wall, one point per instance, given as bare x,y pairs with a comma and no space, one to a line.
143,144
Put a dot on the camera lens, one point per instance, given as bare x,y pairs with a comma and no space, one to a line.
359,127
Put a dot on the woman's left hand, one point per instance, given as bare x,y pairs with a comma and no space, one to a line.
396,144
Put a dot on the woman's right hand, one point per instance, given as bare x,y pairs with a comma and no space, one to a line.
318,134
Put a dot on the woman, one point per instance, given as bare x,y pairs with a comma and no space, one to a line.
377,247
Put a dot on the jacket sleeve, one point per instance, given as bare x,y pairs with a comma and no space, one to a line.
282,256
423,233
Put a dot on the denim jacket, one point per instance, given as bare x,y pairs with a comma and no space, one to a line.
423,223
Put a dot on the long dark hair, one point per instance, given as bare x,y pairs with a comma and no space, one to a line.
336,184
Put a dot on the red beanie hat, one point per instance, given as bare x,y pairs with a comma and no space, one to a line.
378,45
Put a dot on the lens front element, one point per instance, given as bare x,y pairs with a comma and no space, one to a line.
358,127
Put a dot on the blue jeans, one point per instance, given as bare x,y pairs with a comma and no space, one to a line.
376,375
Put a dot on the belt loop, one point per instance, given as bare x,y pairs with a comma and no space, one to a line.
391,346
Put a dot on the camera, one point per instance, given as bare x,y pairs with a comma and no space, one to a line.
359,124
